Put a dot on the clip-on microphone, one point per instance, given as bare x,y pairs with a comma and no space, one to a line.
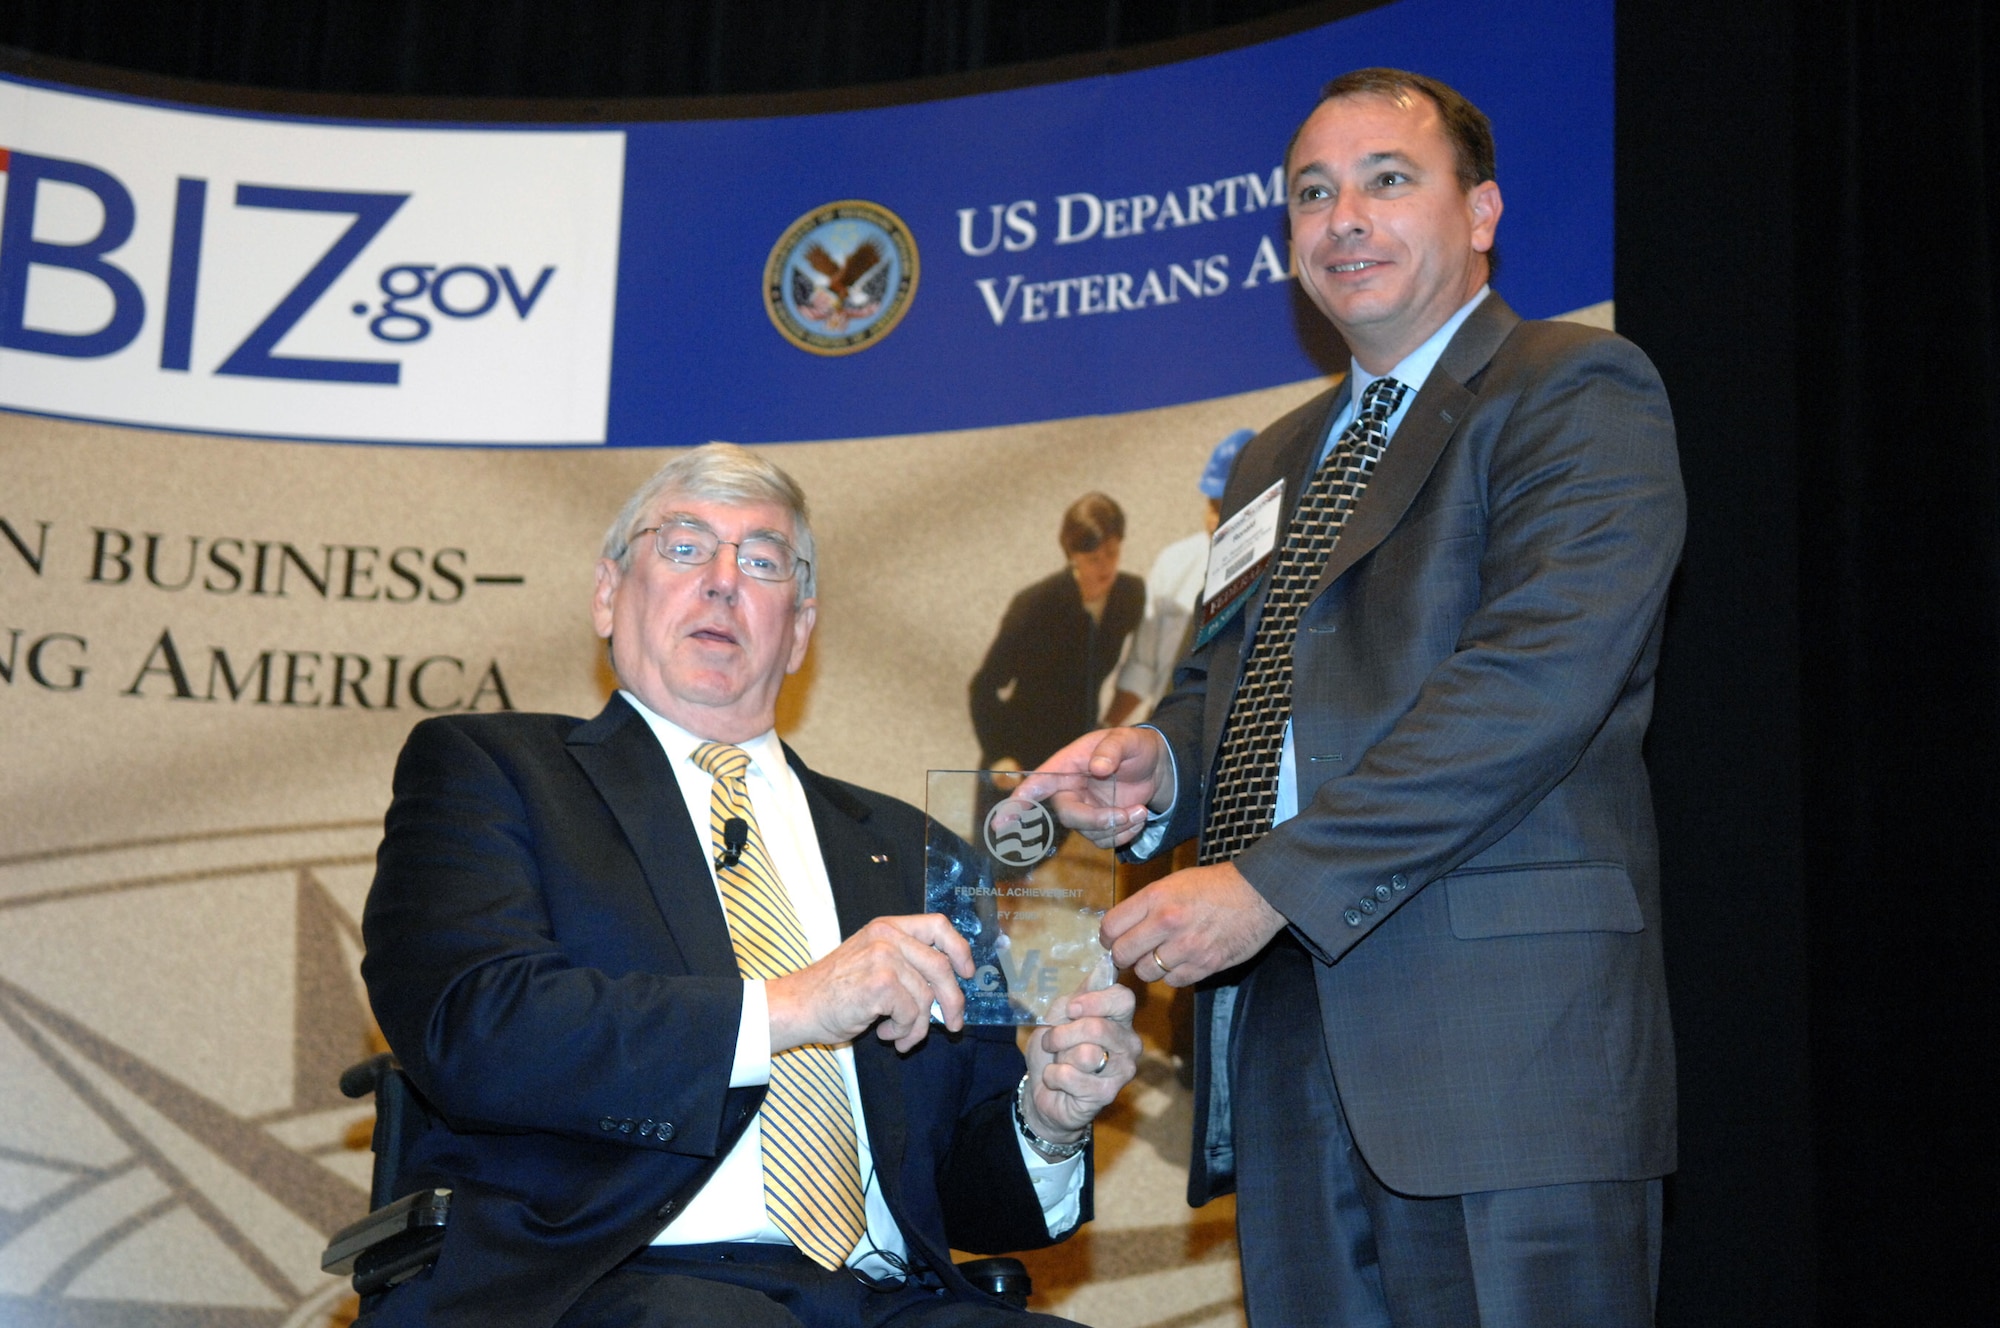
735,834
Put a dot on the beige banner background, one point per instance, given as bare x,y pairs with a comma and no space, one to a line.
182,869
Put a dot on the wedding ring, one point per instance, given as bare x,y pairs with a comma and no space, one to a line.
1103,1063
1159,961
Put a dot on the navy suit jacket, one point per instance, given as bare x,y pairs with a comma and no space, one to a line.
1474,862
549,960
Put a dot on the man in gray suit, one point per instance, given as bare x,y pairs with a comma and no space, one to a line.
1433,1052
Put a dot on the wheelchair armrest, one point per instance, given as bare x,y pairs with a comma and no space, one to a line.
390,1243
1003,1276
400,1237
358,1081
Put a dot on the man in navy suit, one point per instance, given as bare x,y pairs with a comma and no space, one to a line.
564,942
1433,1052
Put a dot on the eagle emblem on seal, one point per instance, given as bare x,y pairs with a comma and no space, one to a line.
841,277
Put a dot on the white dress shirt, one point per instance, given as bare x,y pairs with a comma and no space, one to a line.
731,1205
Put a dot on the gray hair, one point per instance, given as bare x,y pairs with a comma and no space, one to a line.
718,473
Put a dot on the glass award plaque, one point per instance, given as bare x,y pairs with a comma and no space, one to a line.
1026,893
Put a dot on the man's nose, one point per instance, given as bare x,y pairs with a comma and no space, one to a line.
1348,217
1345,215
721,576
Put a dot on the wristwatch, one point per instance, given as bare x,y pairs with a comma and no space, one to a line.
1048,1152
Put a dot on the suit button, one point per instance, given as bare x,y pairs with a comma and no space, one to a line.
1352,917
1382,892
607,1124
625,1126
663,1131
666,1210
1367,906
1400,881
646,1128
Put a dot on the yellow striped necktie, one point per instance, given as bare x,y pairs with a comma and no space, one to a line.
812,1175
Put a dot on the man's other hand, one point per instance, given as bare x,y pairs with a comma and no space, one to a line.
1186,926
1127,775
891,970
1075,1069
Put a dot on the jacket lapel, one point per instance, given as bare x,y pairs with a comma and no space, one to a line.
858,863
1294,462
623,761
1421,437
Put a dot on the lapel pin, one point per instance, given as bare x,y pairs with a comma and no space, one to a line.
878,857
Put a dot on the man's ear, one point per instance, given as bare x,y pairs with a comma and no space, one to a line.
1484,199
608,577
802,631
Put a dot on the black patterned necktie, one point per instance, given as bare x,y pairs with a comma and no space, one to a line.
1246,778
812,1167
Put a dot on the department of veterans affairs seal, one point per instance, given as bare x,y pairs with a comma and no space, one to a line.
841,277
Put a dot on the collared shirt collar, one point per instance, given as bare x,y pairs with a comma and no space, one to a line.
1412,371
767,753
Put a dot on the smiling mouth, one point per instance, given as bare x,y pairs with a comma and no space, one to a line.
1355,266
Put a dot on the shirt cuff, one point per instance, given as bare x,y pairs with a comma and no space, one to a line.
1148,841
752,1065
1058,1185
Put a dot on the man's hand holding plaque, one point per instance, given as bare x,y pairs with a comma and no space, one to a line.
1107,784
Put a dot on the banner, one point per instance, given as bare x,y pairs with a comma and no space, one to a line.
1108,244
229,585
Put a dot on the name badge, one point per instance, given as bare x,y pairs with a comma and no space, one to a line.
1238,558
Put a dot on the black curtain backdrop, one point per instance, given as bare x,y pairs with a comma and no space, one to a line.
1809,248
1898,165
595,48
1806,246
1705,278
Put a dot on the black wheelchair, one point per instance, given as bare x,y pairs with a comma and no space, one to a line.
401,1236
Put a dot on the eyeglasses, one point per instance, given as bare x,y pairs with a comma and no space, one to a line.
761,557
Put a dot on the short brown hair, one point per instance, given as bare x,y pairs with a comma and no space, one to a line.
1470,132
1091,520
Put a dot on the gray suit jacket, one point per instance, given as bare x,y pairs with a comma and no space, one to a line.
1474,863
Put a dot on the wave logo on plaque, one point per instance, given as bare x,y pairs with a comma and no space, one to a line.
841,277
1020,832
